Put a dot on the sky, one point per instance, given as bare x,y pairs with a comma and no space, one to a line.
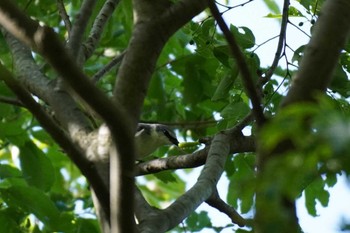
251,15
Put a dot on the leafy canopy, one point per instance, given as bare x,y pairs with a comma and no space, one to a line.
197,84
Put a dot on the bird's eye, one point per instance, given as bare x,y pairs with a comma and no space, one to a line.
166,133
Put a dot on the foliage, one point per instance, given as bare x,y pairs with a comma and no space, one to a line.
197,84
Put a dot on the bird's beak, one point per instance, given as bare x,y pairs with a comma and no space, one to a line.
174,141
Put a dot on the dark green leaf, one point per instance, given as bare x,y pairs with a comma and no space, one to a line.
37,168
166,177
244,36
7,171
315,191
340,82
7,224
36,202
198,221
235,110
226,84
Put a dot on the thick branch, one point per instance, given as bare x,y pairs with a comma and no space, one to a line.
239,144
45,41
315,73
86,167
65,109
149,36
330,34
201,191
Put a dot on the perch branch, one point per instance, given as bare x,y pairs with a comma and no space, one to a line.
239,144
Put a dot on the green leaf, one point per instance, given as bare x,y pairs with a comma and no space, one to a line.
235,110
274,16
36,202
7,171
244,36
37,168
340,82
87,225
198,221
222,53
166,177
14,132
292,11
331,179
272,5
42,136
226,84
8,224
241,187
315,191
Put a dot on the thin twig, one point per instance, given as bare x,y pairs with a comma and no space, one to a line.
265,42
242,64
281,43
12,101
63,13
299,29
115,61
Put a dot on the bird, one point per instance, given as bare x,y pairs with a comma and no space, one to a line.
149,137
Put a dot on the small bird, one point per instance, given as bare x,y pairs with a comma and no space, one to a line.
149,137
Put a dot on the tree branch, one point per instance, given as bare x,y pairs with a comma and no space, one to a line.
239,144
142,209
216,202
87,168
149,36
12,101
63,13
65,109
98,27
201,191
281,42
240,59
330,34
43,39
79,27
115,61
